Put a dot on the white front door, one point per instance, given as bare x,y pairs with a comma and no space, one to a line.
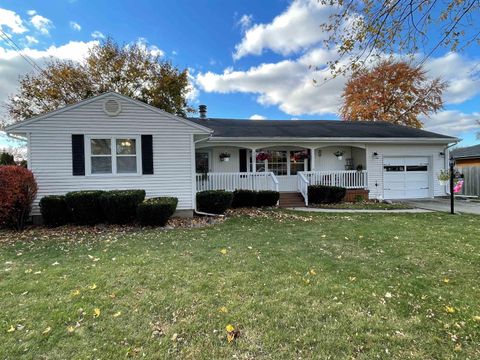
406,177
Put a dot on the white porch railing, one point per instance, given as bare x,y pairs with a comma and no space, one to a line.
234,181
302,186
350,179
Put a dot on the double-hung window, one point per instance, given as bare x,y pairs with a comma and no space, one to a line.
113,155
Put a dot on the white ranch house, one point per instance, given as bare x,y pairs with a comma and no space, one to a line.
114,142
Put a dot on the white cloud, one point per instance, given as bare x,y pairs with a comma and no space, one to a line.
192,91
453,122
75,26
461,73
12,20
297,28
31,40
245,22
31,12
97,35
152,49
12,65
258,117
287,84
41,23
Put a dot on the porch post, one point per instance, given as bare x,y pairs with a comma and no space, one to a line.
254,167
312,159
254,160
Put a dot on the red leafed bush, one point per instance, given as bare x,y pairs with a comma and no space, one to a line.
18,189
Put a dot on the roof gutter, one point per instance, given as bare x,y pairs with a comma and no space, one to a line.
335,139
447,158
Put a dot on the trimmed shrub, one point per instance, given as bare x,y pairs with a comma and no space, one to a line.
244,198
7,159
55,211
336,194
267,198
156,211
120,206
86,206
18,189
214,201
318,194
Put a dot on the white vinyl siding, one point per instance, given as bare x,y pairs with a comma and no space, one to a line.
375,164
51,151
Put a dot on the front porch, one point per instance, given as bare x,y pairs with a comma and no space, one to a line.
285,168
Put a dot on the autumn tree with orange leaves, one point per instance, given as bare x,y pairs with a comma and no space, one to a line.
392,91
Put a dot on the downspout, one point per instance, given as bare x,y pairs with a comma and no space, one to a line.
195,202
447,158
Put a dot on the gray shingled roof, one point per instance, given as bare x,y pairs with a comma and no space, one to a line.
466,152
311,129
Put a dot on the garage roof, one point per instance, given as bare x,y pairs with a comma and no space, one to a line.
466,152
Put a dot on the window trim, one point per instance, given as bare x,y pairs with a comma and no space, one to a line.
113,154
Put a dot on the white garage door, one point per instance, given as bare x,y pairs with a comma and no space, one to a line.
406,177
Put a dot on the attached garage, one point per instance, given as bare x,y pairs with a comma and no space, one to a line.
406,177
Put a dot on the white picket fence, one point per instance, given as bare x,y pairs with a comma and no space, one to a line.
350,179
234,181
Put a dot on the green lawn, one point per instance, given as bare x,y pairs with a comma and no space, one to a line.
363,286
364,206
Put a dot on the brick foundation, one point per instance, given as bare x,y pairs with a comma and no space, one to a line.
352,194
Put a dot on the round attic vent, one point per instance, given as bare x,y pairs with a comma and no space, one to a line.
112,107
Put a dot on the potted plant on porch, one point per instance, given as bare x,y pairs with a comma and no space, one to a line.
338,154
224,156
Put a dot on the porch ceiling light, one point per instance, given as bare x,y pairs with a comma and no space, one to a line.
375,155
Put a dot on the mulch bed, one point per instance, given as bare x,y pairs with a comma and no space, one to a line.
37,233
76,233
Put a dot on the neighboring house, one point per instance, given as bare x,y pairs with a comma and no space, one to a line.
114,142
466,156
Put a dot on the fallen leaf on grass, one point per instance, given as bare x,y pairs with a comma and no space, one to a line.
70,329
93,287
312,272
11,329
75,292
476,318
232,334
117,314
223,309
224,251
47,330
96,312
449,309
446,281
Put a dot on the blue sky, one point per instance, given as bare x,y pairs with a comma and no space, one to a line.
246,58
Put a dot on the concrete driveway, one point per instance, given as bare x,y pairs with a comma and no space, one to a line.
443,204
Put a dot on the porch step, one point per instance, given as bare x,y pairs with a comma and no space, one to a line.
291,199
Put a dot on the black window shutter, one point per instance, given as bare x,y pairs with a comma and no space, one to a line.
147,154
243,160
78,155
